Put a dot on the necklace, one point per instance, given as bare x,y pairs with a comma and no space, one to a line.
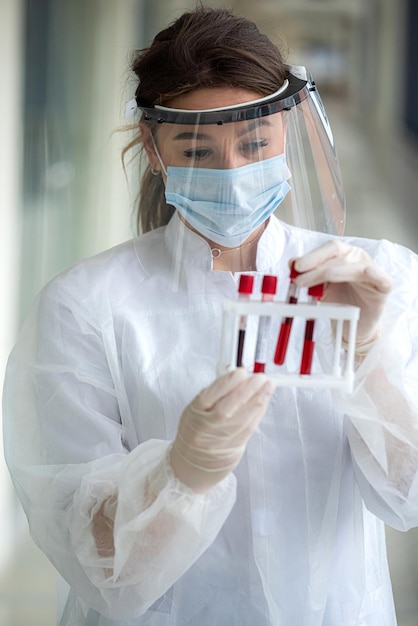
217,252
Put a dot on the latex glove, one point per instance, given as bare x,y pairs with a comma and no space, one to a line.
350,276
215,428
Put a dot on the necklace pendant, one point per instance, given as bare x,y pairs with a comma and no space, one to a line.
216,253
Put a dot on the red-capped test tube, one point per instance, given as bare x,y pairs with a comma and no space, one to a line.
316,292
286,325
268,291
245,289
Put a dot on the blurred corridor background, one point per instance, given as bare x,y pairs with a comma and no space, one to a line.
64,195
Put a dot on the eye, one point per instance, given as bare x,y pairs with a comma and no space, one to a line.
197,153
253,147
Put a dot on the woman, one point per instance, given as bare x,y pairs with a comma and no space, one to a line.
162,494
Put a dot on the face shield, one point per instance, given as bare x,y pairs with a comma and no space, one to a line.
226,170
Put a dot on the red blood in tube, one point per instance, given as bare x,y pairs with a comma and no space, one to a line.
310,325
286,325
245,289
306,363
240,351
317,291
281,348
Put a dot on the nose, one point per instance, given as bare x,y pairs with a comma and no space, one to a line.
229,157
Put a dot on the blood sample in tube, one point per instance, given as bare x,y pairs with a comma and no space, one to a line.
316,292
245,289
286,325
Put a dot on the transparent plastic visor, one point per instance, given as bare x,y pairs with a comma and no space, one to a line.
227,175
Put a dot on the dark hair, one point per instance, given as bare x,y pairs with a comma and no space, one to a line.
205,47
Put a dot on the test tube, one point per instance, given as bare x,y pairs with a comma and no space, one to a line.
268,291
245,290
286,325
316,292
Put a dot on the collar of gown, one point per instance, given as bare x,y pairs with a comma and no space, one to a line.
187,247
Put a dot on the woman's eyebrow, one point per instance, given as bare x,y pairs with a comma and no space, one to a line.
191,135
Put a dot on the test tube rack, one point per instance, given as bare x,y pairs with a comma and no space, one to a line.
341,372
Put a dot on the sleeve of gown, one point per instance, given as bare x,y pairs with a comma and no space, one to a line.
79,484
382,414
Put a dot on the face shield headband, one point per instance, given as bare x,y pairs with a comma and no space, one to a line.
316,198
284,97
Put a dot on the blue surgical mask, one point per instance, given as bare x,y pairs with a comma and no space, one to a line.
227,205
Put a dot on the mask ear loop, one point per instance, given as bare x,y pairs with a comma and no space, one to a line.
158,155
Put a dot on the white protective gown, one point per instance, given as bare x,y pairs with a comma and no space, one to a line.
104,366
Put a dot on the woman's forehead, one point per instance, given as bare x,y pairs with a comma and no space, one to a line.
214,132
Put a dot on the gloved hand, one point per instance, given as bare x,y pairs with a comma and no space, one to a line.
350,276
215,428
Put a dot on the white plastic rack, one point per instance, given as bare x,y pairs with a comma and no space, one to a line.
341,371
